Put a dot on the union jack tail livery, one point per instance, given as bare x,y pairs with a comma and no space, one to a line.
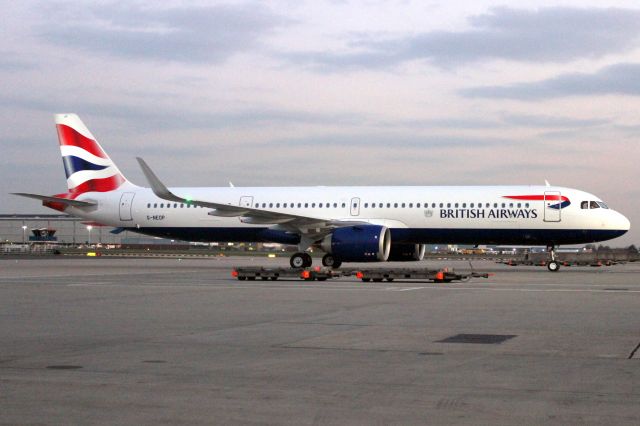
86,164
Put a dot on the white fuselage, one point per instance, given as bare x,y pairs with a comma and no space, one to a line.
453,214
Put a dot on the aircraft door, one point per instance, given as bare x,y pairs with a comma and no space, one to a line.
246,201
552,206
355,206
126,203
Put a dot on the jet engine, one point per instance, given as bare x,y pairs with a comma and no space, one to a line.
407,252
360,243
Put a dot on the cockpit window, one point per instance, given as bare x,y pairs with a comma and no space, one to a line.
584,205
594,205
603,205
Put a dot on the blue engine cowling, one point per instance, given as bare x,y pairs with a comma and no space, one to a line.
360,243
407,252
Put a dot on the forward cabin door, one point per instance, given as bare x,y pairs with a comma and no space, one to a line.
355,206
126,202
552,206
246,201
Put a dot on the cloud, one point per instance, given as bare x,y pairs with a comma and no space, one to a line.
553,35
11,62
619,79
393,141
549,121
204,34
152,117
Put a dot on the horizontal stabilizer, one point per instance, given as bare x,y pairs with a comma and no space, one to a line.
74,203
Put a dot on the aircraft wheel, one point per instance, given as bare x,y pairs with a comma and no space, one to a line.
330,261
553,266
307,260
299,260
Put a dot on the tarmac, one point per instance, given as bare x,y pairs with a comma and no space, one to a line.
178,341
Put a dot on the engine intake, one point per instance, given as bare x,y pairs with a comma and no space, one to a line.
407,252
361,243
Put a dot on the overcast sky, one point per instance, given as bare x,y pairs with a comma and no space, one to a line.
328,93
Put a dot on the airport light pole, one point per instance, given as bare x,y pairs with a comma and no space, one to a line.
24,234
89,228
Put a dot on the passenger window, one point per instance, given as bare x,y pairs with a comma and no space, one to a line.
527,205
306,205
448,205
344,205
395,205
441,205
388,205
594,205
510,205
320,205
471,205
418,205
181,205
365,205
403,205
433,205
335,205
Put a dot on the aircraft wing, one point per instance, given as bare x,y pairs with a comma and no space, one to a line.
311,227
74,203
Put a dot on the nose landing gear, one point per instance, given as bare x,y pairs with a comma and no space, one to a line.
553,265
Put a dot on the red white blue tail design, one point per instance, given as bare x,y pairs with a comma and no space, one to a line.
87,166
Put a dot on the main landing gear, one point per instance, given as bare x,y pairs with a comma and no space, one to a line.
553,265
330,261
300,260
303,260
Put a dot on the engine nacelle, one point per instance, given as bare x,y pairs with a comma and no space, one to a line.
407,252
361,243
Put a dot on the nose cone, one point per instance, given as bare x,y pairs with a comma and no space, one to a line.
621,223
626,224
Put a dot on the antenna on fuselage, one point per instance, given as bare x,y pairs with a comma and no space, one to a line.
546,182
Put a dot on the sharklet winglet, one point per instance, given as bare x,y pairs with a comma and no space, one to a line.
157,186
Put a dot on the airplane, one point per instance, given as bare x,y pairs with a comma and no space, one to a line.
348,223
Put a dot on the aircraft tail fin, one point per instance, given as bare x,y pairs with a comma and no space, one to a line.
87,166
